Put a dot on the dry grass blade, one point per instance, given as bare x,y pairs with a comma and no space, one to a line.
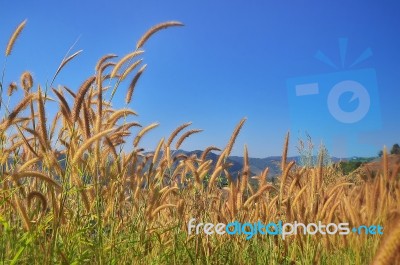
133,84
14,37
154,29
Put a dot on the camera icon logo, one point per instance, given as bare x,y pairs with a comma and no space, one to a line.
359,92
341,104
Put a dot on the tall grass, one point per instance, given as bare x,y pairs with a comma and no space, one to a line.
70,193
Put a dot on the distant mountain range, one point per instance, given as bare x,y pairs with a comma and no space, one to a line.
257,165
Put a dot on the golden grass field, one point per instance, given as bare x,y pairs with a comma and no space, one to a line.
70,194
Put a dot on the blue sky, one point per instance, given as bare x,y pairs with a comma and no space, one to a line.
231,60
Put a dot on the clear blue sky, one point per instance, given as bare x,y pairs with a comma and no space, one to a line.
231,60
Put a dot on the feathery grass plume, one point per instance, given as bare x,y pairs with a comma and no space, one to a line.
129,70
40,196
103,59
263,177
63,102
157,152
26,81
285,151
385,163
42,119
12,88
207,151
35,174
21,106
64,63
86,120
283,179
80,97
184,136
70,91
88,143
245,171
143,132
389,249
234,136
119,114
14,37
133,84
176,132
154,29
125,59
256,195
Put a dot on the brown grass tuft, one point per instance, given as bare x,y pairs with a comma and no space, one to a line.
133,84
154,29
14,37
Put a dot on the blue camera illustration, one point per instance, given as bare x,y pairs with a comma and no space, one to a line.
336,107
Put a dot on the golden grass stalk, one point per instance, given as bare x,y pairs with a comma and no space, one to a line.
119,114
12,88
42,119
154,29
143,132
233,137
176,132
133,84
40,196
129,70
283,179
123,61
26,81
80,97
86,119
14,37
256,195
103,59
88,143
21,106
63,102
157,152
35,174
184,136
389,250
285,151
207,151
64,63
